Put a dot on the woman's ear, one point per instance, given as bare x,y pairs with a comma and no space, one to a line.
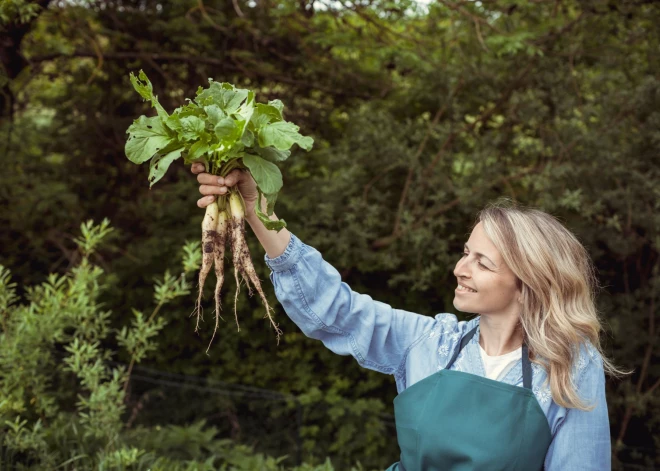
519,288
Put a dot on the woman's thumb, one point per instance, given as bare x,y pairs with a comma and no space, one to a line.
233,177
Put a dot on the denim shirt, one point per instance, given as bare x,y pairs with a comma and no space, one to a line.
412,346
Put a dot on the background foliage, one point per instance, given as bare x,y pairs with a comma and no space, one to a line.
422,112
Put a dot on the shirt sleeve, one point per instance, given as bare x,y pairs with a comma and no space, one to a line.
348,323
582,440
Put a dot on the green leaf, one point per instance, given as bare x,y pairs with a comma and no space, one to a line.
245,112
265,114
248,138
271,112
228,131
272,154
160,163
270,224
234,99
146,137
270,199
197,150
277,104
191,109
192,128
266,174
145,89
224,95
237,151
214,113
282,135
214,94
258,121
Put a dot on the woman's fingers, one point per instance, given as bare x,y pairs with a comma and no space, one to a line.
230,180
210,185
197,167
205,201
233,177
212,189
208,179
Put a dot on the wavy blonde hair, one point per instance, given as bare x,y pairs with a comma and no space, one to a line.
558,284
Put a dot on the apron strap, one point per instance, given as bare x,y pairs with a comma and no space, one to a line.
526,364
526,367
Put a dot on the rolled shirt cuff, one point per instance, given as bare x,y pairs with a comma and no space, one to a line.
287,259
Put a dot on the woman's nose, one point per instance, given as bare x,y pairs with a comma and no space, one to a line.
461,269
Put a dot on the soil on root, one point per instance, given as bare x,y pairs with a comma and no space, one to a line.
243,264
219,259
209,241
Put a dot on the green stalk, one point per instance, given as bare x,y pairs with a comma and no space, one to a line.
231,165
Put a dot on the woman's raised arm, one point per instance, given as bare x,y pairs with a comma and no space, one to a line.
348,323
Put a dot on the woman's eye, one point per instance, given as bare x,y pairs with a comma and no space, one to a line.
463,254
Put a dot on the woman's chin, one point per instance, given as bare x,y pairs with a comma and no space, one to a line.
461,306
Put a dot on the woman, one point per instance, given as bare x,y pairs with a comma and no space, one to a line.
473,395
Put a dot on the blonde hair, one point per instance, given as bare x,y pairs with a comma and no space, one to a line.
558,284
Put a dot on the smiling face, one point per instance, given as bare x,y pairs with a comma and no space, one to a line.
481,268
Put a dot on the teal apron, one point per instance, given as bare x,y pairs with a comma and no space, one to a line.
457,421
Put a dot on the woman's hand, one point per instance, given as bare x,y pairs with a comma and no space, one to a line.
211,185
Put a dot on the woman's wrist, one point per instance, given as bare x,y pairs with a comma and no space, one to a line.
273,242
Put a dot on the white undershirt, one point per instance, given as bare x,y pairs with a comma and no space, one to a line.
498,366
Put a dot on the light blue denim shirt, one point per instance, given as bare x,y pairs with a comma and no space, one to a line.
413,346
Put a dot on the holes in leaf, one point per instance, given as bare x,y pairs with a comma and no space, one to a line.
149,126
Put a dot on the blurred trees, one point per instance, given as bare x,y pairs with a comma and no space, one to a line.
422,113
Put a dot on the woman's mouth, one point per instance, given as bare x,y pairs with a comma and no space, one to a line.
463,289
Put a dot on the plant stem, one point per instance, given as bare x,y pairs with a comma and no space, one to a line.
132,363
128,375
153,314
231,165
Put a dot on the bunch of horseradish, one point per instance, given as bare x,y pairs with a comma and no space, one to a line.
224,128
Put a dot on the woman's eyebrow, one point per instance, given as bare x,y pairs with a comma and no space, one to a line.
481,255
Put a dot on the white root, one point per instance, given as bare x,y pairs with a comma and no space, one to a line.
242,259
218,229
219,259
252,273
209,237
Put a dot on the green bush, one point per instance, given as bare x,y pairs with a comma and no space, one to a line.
62,406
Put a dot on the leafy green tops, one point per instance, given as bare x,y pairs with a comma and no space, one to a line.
221,125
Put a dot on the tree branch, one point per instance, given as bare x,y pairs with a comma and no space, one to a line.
396,230
201,60
385,241
420,149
